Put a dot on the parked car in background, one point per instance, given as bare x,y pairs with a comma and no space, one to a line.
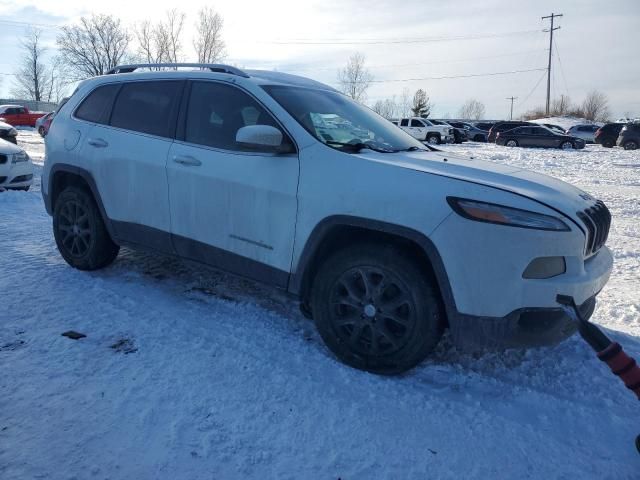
427,131
473,133
486,126
587,132
503,127
459,134
537,136
607,135
629,137
40,123
19,116
554,128
16,169
8,133
384,241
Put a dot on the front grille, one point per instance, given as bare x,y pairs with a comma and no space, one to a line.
3,158
22,178
597,219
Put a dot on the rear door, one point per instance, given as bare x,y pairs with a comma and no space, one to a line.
128,150
231,207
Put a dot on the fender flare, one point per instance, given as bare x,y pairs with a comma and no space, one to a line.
322,229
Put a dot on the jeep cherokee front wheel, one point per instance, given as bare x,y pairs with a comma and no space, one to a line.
80,233
376,309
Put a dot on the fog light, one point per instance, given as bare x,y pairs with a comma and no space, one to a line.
545,267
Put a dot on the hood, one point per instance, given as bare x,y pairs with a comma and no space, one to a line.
5,126
550,191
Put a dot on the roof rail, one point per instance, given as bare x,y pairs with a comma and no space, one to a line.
214,67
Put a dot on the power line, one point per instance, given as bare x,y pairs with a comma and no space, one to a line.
447,77
532,90
16,23
397,41
564,79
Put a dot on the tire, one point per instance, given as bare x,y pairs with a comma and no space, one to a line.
567,146
351,319
479,138
511,143
80,232
41,131
432,139
630,145
607,144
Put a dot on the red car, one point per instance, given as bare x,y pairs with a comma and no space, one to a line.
18,115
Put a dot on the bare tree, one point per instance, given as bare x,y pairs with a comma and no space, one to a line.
32,80
472,109
421,105
355,79
386,108
596,107
405,103
208,42
161,42
561,106
93,47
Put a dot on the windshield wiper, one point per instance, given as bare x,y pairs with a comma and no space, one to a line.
356,147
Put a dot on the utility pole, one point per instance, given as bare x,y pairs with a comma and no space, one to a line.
551,29
512,99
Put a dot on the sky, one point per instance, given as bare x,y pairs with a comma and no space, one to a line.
410,44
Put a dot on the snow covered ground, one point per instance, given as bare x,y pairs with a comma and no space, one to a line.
187,373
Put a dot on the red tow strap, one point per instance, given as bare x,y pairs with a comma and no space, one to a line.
623,366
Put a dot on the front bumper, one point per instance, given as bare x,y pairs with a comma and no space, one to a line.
525,327
16,175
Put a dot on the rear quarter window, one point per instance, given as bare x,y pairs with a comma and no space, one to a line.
97,106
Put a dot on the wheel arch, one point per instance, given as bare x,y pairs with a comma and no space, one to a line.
64,175
337,231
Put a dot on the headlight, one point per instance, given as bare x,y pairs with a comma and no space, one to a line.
513,217
20,157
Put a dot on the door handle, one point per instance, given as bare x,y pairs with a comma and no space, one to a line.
187,160
97,142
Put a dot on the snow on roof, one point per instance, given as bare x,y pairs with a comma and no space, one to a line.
565,122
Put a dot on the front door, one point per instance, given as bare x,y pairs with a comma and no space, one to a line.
231,207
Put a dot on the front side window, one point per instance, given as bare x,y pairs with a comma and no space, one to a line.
417,123
147,107
96,107
339,122
216,112
404,123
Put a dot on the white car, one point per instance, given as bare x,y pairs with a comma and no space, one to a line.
282,179
425,130
8,132
16,169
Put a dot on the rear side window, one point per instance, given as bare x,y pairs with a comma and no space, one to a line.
96,107
147,107
216,112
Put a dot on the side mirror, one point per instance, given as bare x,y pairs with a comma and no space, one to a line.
260,137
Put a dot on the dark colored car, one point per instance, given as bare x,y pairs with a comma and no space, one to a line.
503,127
459,134
8,133
607,135
536,136
554,128
629,137
484,125
473,132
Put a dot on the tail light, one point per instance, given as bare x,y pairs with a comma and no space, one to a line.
497,135
598,132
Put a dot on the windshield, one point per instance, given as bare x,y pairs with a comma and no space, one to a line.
339,122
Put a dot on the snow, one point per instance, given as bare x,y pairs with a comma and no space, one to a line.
225,379
565,122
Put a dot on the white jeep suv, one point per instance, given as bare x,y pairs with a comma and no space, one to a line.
284,180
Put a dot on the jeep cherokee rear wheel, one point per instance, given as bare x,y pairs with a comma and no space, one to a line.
376,309
630,145
80,233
